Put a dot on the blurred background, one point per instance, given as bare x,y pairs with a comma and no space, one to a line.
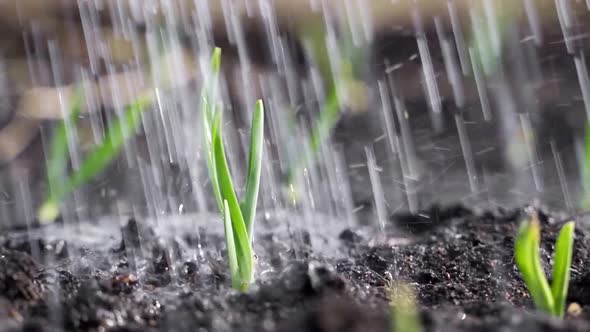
373,107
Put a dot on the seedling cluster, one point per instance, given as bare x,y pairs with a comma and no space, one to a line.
238,217
549,298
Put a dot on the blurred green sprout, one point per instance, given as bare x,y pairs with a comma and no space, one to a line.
313,36
96,160
548,298
489,35
404,313
238,217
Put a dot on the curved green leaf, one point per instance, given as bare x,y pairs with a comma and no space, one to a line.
95,161
561,266
210,130
243,248
116,135
528,260
254,168
208,119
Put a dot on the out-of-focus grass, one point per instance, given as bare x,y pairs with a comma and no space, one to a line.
404,312
489,35
95,161
339,81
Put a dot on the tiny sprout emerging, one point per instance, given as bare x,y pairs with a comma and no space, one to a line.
549,298
238,217
404,312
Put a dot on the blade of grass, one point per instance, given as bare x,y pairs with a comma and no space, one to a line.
528,260
231,247
244,251
96,160
208,96
209,92
326,122
116,135
561,267
216,60
254,168
209,133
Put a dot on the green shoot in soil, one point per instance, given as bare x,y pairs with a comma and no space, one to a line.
96,160
313,35
549,298
404,312
238,217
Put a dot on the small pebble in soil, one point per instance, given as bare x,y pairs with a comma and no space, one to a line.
574,309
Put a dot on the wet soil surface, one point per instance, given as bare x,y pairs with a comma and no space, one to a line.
459,261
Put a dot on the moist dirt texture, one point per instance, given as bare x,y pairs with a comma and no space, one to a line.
459,261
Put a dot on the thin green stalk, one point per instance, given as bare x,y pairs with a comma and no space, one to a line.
231,247
103,154
561,267
241,238
528,260
209,133
327,120
254,168
314,37
551,299
96,160
208,112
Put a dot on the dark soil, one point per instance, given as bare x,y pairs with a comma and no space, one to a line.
460,262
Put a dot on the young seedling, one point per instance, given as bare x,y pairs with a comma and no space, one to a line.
96,160
238,217
549,298
314,36
404,312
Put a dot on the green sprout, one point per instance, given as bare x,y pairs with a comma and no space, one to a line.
96,160
549,298
487,43
313,36
404,312
238,217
